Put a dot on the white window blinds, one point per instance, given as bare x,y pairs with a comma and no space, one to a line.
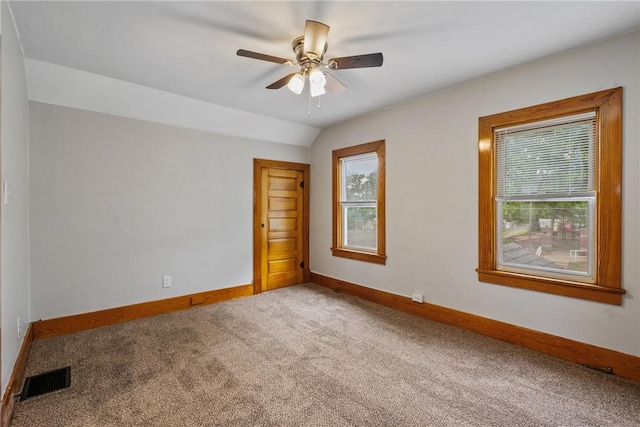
549,158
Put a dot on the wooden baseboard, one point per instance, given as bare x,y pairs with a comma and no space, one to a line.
80,322
624,365
15,381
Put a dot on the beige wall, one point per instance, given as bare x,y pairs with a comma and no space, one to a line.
118,203
14,250
432,195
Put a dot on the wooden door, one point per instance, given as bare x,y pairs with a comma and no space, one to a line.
280,225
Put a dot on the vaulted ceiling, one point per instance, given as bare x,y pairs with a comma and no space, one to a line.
176,61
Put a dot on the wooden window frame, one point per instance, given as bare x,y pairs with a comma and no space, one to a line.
379,256
607,287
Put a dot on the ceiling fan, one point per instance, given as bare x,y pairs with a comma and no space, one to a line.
309,50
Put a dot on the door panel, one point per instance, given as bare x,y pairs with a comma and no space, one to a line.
281,203
282,247
283,265
283,224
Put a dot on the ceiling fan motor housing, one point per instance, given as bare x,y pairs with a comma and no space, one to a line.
301,57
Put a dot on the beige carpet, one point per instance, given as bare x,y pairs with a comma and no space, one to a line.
307,356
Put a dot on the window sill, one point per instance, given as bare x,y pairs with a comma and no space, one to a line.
359,256
553,286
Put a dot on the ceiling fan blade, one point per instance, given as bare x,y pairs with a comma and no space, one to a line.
358,61
282,82
333,85
315,39
263,57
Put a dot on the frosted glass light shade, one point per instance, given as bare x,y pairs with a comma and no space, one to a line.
316,89
296,84
316,77
317,80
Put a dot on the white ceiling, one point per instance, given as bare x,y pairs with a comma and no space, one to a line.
189,48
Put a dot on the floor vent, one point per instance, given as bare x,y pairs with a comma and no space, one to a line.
45,383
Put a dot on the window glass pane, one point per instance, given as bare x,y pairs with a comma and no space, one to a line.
360,227
554,159
360,178
547,235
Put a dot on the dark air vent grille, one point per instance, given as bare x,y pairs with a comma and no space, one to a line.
46,382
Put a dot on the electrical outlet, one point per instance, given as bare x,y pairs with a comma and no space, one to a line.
19,331
417,297
166,281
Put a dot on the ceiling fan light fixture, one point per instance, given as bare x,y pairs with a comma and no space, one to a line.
309,50
296,84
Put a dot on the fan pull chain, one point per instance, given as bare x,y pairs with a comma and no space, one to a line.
318,106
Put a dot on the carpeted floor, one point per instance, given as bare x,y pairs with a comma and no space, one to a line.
307,356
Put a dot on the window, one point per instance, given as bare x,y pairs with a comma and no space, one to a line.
550,197
358,203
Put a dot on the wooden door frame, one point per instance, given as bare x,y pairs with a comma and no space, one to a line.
258,165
